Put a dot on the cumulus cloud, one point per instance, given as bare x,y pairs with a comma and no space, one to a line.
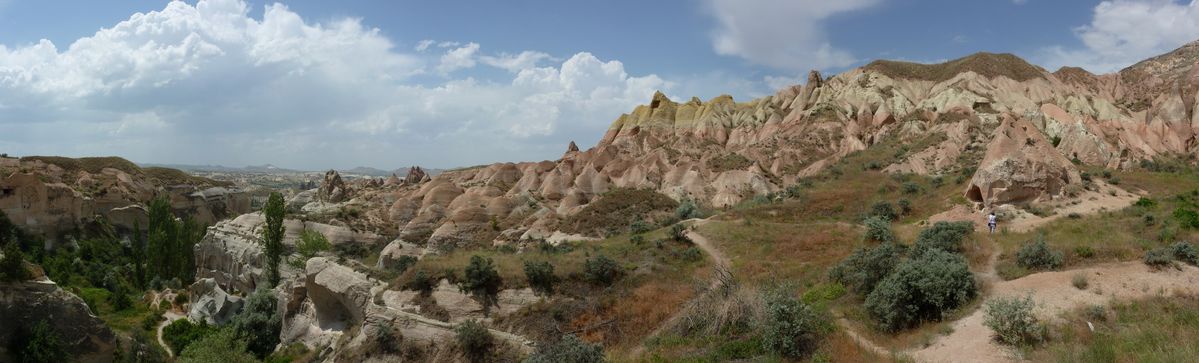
1123,32
785,34
207,83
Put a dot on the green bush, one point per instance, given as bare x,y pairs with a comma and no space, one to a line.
878,230
1187,218
569,349
922,288
678,232
1159,257
404,262
12,265
601,270
1185,252
1084,251
791,327
1145,202
864,268
541,277
884,210
38,344
421,282
910,188
222,345
1013,321
1037,255
639,225
905,206
475,340
482,282
259,323
687,209
310,244
947,236
180,333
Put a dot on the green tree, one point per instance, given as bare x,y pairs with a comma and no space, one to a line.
310,244
162,236
272,236
482,282
220,346
12,266
258,324
138,250
180,333
475,340
601,270
39,344
863,269
541,277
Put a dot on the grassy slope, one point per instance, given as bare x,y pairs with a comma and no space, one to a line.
1158,329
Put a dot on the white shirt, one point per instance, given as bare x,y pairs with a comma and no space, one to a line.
991,219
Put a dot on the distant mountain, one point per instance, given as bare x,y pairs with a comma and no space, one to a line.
263,169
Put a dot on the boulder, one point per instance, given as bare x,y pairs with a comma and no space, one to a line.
333,189
83,335
1020,166
212,304
393,251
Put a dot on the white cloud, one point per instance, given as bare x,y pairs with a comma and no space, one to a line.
784,34
1123,32
515,63
423,45
209,84
458,58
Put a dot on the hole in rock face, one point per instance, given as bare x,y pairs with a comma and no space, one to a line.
975,194
331,314
655,103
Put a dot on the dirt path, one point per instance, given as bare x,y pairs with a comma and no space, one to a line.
1054,294
170,316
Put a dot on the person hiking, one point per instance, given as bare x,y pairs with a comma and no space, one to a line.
991,222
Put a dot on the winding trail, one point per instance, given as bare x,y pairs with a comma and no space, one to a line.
170,316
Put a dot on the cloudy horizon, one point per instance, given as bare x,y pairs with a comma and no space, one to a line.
318,85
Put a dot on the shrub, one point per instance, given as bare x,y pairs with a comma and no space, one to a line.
1096,312
1159,257
38,344
863,269
639,225
404,262
905,206
475,340
946,236
150,321
1187,218
791,327
222,345
1079,281
601,270
567,349
1037,255
1013,321
922,288
1145,202
541,277
878,230
181,298
687,209
937,182
180,333
884,210
1084,251
421,282
910,188
678,232
311,243
259,323
482,282
1149,220
1185,252
12,265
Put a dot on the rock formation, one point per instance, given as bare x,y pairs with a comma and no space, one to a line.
415,175
333,189
83,335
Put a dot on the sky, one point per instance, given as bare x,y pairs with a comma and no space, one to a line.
337,84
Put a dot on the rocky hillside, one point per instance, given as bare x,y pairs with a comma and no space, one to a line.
54,195
1020,129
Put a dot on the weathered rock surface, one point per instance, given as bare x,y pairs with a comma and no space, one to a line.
23,304
1020,166
212,304
333,189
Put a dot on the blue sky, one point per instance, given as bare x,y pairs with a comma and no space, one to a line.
318,84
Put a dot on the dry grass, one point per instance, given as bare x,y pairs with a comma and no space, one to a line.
766,252
1158,329
615,210
989,65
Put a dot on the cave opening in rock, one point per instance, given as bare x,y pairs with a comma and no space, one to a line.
975,194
